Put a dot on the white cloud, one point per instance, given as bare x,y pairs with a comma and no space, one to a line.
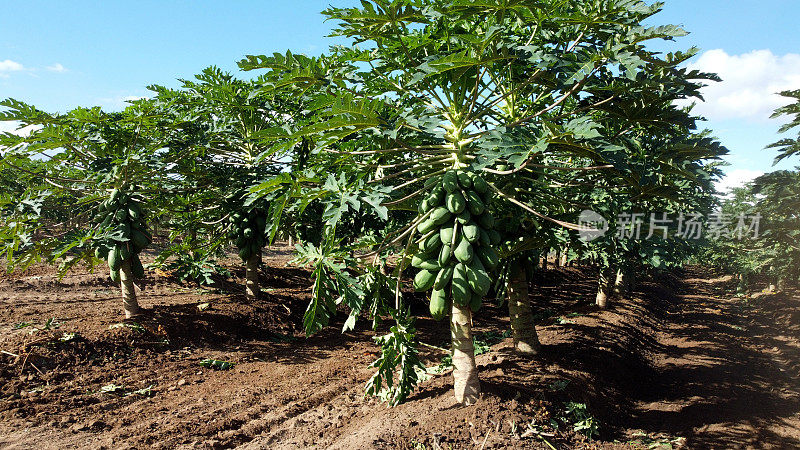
9,66
736,178
132,98
750,83
57,67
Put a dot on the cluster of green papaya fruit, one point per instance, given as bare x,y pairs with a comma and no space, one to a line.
128,236
248,231
455,253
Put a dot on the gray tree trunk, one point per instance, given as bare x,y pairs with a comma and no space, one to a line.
251,275
129,302
526,340
605,285
466,385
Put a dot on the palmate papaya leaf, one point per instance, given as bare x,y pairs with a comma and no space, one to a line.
398,348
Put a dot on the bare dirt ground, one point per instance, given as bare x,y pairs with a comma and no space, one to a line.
682,363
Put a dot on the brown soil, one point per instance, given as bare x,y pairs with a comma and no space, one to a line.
683,362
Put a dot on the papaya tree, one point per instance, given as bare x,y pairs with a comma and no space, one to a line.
107,165
231,152
451,95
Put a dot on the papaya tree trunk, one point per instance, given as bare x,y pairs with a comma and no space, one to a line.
604,287
544,261
620,283
526,340
251,275
129,303
557,259
466,385
564,256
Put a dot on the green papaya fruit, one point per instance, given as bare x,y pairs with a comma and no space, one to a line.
494,237
484,238
471,232
114,259
99,253
240,242
424,206
445,255
464,251
245,253
440,215
432,243
261,224
478,278
488,257
486,220
124,251
446,235
475,302
419,262
247,233
443,277
455,202
137,269
475,204
115,195
464,217
425,226
124,229
480,185
134,211
464,180
438,304
450,181
115,276
107,221
424,280
459,285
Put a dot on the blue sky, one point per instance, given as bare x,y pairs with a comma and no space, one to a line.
58,55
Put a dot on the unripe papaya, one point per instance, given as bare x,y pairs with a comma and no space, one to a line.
438,304
114,259
431,244
464,251
446,235
443,277
471,232
424,280
494,237
419,262
464,180
484,238
137,269
478,278
245,253
450,181
425,226
455,202
488,257
475,302
440,215
115,276
486,220
134,211
459,285
445,255
124,251
475,204
464,217
480,185
247,233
